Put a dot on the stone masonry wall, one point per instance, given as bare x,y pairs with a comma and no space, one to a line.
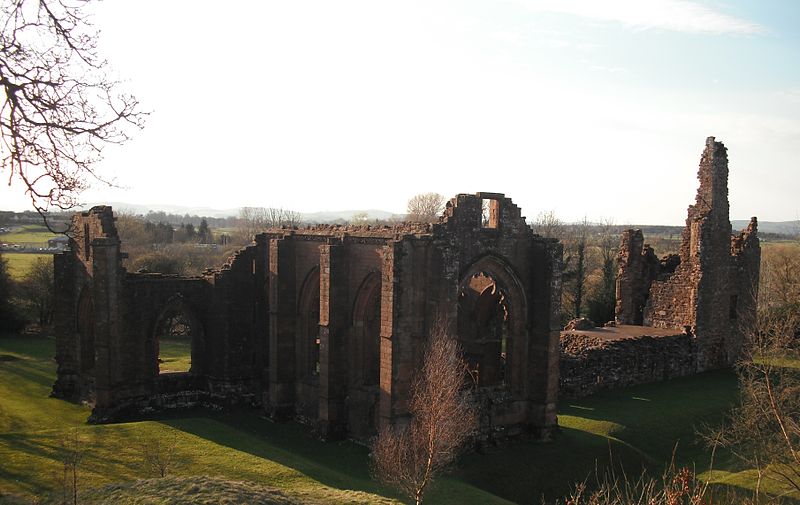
708,290
590,364
638,268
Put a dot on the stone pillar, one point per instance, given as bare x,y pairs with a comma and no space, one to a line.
64,319
388,283
333,323
543,341
261,342
638,268
282,315
106,297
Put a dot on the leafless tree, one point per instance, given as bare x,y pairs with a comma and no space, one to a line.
602,297
780,277
158,455
59,107
763,431
547,224
34,292
576,267
443,418
254,220
425,207
72,452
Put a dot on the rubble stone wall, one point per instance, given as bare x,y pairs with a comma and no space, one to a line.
590,365
711,292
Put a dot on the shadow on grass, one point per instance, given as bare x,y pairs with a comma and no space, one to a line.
655,417
341,464
638,427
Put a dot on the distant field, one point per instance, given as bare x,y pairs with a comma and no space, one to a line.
20,263
29,234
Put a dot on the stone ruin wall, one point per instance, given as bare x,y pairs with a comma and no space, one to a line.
590,364
255,314
709,290
706,293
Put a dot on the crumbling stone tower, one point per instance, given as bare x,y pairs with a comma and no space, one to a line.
710,288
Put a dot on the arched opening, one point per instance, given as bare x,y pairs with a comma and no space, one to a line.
364,359
177,336
85,330
308,326
367,332
491,323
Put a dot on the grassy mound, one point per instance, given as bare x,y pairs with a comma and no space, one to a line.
201,490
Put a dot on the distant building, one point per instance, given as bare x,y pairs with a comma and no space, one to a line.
59,242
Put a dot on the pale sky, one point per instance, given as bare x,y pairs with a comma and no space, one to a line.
586,108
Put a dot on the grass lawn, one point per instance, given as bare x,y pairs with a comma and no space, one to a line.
20,263
175,354
637,426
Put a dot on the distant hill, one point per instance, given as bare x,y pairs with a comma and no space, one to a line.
314,217
791,228
782,227
347,215
181,210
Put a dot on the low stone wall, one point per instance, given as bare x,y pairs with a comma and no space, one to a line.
590,364
176,391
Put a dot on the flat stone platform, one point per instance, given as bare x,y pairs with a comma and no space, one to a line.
624,332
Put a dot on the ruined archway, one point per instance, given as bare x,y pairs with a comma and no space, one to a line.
308,326
178,338
365,358
307,345
492,315
85,329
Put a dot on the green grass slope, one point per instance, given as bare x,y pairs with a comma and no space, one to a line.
237,446
639,427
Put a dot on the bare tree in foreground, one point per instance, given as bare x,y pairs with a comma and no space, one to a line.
763,431
72,452
425,207
59,107
443,418
159,455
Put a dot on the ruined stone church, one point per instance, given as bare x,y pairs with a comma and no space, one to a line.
327,324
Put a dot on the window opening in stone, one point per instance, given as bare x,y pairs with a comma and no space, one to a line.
174,334
483,330
308,326
312,332
732,308
490,212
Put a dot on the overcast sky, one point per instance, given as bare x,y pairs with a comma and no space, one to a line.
586,108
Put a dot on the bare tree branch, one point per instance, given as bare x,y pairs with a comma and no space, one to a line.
425,207
443,418
59,107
